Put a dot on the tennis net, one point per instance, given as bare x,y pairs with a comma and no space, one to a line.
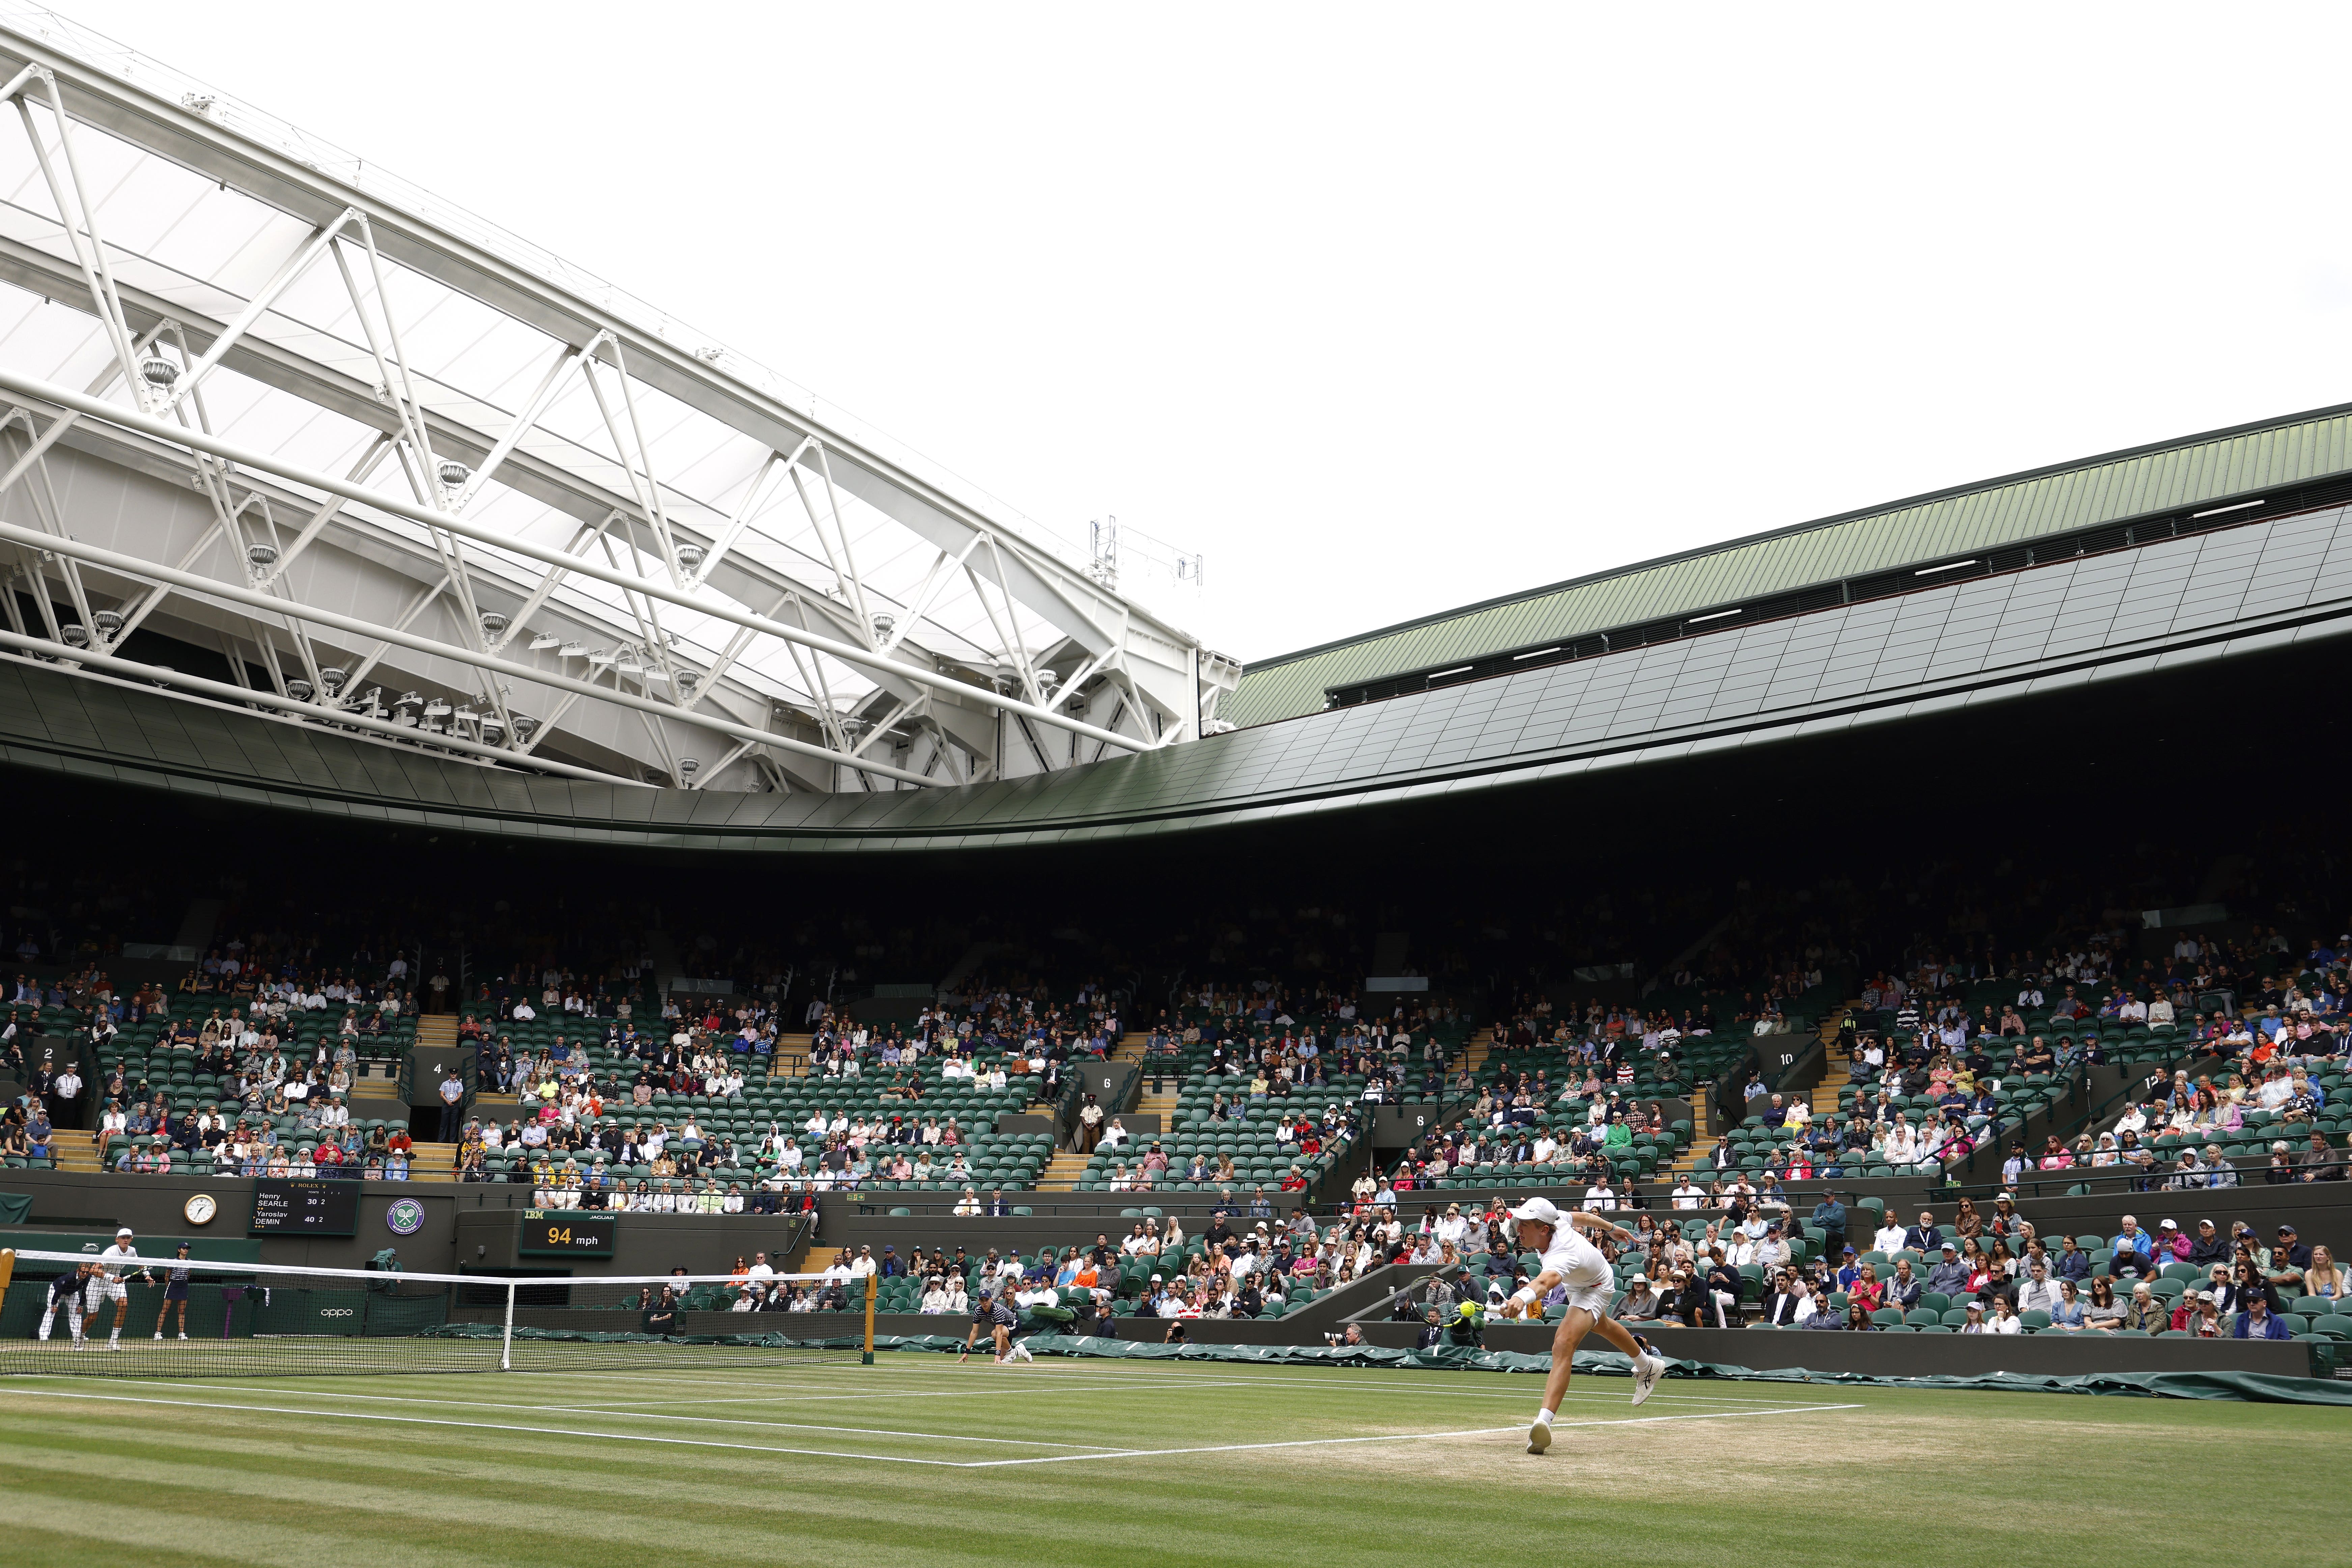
69,1312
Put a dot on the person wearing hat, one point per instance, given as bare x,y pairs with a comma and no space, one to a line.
1569,1259
112,1265
1639,1303
2209,1246
1948,1276
1976,1320
993,1312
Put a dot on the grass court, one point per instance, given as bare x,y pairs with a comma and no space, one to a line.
919,1459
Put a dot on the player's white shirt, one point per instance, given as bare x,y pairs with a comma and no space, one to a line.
1582,1266
1575,1258
112,1262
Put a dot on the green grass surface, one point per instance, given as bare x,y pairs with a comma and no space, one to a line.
918,1460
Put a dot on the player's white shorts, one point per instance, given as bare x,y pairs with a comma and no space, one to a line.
1594,1299
1584,1270
109,1290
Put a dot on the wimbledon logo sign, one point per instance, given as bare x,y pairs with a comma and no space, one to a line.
406,1218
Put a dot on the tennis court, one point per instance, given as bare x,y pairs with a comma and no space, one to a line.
920,1458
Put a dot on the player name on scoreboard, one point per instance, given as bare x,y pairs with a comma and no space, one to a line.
566,1233
295,1205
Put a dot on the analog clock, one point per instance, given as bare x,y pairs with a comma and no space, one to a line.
201,1207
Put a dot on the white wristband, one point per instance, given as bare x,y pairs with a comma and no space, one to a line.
1523,1298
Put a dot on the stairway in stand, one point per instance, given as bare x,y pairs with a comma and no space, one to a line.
436,1039
1838,1076
1824,1096
1475,1053
1064,1172
792,1056
433,1163
75,1150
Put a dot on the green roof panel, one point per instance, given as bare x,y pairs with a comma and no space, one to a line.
2108,488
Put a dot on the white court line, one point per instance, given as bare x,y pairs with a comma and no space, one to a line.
714,1421
637,1409
324,1395
902,1458
502,1426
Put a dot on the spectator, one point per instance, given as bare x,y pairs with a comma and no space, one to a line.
2324,1277
2040,1293
1830,1215
1975,1323
1790,1304
2068,1314
2005,1319
2257,1322
1950,1277
2104,1313
2146,1314
1903,1291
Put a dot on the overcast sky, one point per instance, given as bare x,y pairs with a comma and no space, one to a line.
1380,309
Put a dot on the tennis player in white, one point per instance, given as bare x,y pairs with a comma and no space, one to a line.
1568,1259
112,1265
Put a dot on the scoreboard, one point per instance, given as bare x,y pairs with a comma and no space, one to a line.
566,1233
296,1205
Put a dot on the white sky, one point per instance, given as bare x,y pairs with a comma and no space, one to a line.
1384,310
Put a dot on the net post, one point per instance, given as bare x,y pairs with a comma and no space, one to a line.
7,1267
868,1357
506,1334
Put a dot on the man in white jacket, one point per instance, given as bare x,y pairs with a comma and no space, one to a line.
2038,1294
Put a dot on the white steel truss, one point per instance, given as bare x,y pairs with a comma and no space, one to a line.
257,402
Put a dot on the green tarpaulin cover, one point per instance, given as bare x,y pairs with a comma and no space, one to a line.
2254,1387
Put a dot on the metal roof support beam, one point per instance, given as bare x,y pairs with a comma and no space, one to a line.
52,519
942,572
325,514
222,691
81,233
745,511
844,567
529,292
645,487
162,591
580,539
734,755
864,659
288,273
566,361
132,567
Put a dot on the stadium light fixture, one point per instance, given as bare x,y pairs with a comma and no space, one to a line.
1947,566
1712,615
1538,654
2218,511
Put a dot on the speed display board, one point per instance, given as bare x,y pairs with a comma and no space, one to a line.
566,1233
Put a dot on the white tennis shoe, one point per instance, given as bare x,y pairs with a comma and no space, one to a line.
1539,1435
1647,1370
